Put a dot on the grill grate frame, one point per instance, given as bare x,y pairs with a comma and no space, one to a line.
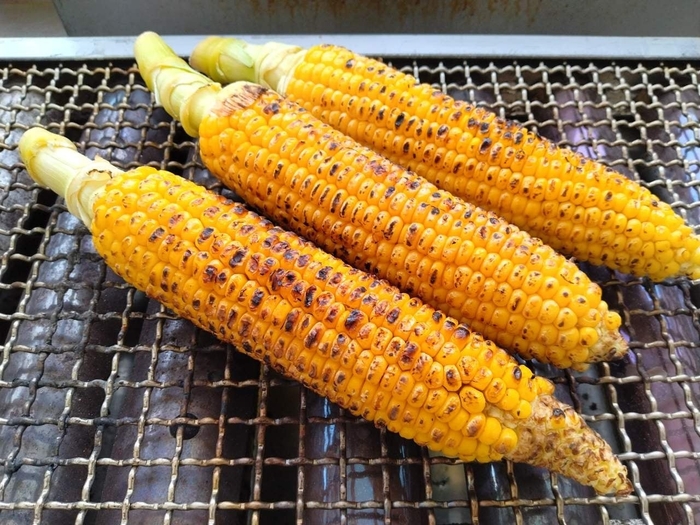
108,416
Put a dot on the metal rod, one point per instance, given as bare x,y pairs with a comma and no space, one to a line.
426,45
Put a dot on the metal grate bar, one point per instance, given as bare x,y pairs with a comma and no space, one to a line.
114,411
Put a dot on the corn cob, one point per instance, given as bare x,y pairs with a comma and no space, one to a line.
574,204
344,334
378,217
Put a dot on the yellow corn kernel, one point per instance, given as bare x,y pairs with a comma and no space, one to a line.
449,410
467,447
373,398
418,395
390,378
424,421
434,378
482,378
459,422
612,319
509,401
435,400
543,385
376,369
506,442
523,410
467,367
395,411
495,391
491,432
526,390
475,425
452,380
473,400
512,375
403,386
483,453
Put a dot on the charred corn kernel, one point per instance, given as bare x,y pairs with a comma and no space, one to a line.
403,386
558,419
452,380
472,399
482,379
512,375
283,301
467,150
467,367
418,394
495,391
434,379
475,425
377,368
390,378
449,410
435,400
400,245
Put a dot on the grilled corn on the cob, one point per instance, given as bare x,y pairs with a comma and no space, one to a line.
574,204
379,217
341,332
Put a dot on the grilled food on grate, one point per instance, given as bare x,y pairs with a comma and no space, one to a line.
384,219
339,331
574,204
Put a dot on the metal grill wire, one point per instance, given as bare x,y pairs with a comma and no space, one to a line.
112,410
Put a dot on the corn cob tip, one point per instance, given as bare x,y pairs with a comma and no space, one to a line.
611,344
556,437
54,161
227,59
34,146
224,58
184,93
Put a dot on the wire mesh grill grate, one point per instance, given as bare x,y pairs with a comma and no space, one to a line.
114,411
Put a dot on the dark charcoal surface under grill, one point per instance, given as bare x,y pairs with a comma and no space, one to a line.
113,411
